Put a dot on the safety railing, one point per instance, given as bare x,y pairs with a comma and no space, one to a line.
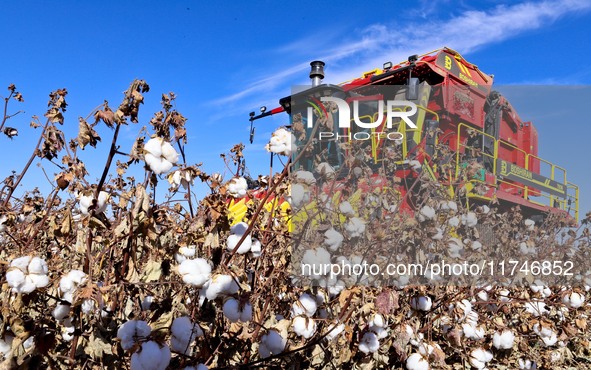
569,203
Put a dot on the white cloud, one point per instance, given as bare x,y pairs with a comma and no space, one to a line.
379,43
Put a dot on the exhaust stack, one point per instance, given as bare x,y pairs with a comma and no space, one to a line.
316,72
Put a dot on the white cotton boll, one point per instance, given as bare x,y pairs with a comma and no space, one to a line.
154,146
239,229
169,153
438,234
15,279
539,287
369,343
147,303
525,249
185,253
299,195
281,142
304,326
427,213
355,227
338,329
421,303
61,311
550,340
333,239
6,345
151,356
536,308
480,357
504,339
233,240
68,332
70,282
132,331
272,343
454,221
526,364
256,248
529,224
183,333
195,272
378,321
21,263
88,306
231,310
469,219
39,281
417,362
504,295
246,314
574,300
476,245
37,266
221,285
305,305
237,187
347,209
471,331
316,259
482,295
159,155
455,247
305,177
325,170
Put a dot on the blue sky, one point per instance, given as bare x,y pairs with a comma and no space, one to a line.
225,59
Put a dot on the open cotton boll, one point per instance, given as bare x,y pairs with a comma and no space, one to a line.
355,227
338,329
504,339
147,303
426,213
316,259
469,219
151,356
185,253
272,343
539,287
160,155
221,285
61,311
132,331
475,245
480,357
237,187
305,305
85,202
417,362
454,221
529,224
37,266
455,247
347,209
421,303
235,313
574,300
304,326
70,282
471,331
6,345
195,272
525,364
256,248
299,195
281,142
233,240
183,333
536,308
369,343
333,239
305,177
